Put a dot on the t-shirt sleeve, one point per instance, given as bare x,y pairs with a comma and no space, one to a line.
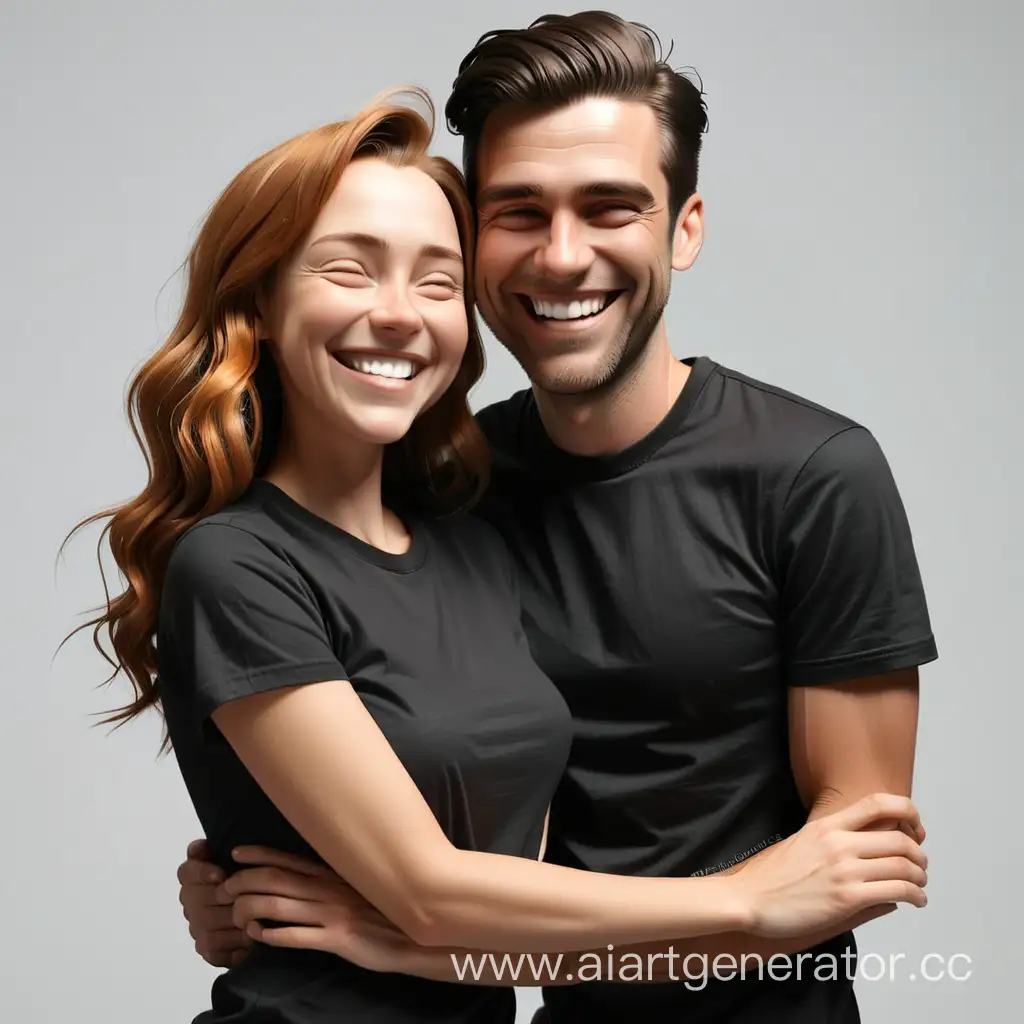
237,618
853,604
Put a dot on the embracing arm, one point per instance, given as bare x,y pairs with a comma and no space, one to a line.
247,645
847,741
319,756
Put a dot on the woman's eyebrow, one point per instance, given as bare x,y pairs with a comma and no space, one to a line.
368,241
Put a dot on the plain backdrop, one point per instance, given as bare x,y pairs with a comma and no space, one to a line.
862,182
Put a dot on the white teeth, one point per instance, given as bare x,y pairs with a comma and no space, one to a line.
571,310
402,369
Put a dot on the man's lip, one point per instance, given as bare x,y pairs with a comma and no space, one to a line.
566,298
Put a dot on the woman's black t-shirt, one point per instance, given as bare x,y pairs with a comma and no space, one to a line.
266,594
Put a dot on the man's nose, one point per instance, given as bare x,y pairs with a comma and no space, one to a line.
567,252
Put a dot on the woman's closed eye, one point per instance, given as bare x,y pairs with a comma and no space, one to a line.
346,272
439,286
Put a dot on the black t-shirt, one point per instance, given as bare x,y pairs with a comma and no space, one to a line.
751,542
265,594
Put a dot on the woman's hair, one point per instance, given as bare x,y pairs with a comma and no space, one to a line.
206,408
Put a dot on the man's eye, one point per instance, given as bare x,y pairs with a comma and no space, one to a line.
522,215
615,213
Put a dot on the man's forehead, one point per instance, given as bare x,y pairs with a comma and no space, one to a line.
596,140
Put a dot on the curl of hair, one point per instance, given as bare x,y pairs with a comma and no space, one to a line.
206,408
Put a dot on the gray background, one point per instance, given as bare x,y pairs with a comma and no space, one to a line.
862,178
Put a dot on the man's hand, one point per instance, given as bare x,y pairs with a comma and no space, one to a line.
207,908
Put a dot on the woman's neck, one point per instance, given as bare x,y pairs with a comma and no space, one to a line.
340,483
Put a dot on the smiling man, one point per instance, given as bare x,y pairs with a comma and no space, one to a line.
718,574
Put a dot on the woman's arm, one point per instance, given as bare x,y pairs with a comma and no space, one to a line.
327,914
319,756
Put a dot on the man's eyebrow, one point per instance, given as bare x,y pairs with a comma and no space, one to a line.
639,193
634,190
501,193
367,241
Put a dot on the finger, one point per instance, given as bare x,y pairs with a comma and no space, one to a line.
276,881
887,844
870,893
199,872
196,896
265,855
871,809
275,908
880,869
209,919
199,849
292,937
222,943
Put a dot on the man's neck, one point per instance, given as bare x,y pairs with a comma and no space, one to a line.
610,420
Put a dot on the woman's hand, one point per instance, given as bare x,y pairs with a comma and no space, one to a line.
835,867
317,910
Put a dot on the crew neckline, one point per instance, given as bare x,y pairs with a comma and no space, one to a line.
408,561
612,464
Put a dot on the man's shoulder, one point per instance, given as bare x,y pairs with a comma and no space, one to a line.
788,409
503,422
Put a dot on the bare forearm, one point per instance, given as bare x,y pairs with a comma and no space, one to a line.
487,900
644,962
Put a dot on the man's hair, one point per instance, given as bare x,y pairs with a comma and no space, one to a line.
561,59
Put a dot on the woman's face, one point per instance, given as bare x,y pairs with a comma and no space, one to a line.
368,321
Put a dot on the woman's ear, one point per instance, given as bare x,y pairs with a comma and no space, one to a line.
262,300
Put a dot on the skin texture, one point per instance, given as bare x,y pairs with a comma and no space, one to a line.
574,204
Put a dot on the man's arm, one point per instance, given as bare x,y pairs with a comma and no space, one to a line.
847,739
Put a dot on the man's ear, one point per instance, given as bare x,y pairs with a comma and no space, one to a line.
688,233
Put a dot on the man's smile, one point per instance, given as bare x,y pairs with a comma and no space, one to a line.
583,308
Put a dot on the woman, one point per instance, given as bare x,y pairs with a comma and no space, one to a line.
334,645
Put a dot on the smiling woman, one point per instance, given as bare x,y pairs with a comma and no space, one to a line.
336,648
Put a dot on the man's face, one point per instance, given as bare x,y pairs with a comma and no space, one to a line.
575,246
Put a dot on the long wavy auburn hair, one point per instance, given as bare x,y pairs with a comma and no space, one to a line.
206,408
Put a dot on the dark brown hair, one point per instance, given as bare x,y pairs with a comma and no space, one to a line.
206,407
560,59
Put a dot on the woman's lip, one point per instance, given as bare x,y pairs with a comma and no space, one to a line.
388,383
381,356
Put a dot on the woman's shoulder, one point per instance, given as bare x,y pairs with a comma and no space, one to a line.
237,540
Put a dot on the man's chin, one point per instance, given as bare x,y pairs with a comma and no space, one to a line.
573,373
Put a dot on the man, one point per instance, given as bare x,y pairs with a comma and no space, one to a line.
717,574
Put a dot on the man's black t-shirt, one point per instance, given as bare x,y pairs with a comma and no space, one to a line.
751,542
265,594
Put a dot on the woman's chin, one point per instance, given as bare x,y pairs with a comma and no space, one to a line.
382,430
